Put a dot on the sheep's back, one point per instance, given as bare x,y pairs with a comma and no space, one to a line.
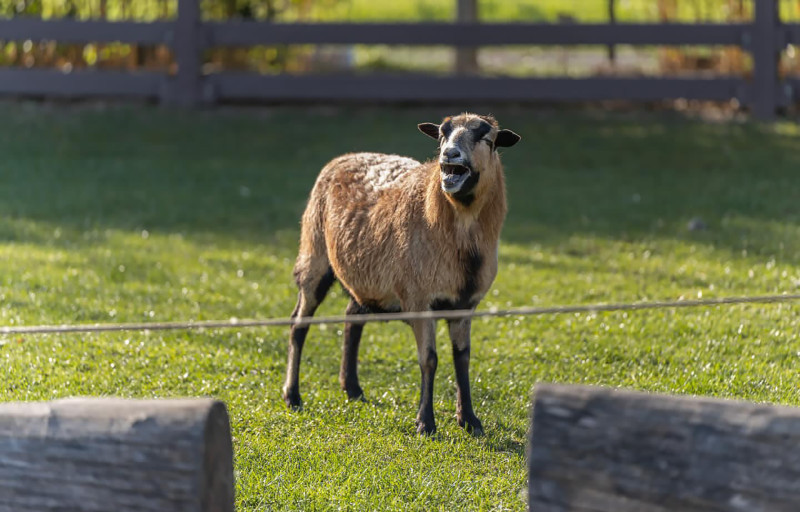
368,174
370,202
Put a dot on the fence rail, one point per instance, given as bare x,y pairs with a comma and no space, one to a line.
472,34
51,82
188,36
73,31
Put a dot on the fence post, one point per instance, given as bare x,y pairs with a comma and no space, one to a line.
612,20
187,45
764,40
466,56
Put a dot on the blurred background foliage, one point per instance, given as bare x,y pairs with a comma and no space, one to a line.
514,61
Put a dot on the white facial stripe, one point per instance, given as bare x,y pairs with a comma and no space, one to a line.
455,133
451,141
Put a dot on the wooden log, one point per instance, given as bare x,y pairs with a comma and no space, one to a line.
596,449
109,454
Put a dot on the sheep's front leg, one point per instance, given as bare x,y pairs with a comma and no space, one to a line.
460,337
425,333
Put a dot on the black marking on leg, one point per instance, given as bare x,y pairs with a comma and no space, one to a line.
465,415
461,364
430,362
291,393
461,360
324,285
348,374
298,338
425,420
299,333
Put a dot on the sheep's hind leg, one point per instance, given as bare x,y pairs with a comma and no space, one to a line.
425,334
348,374
308,299
460,338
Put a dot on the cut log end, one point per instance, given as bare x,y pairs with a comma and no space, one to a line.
218,489
597,449
111,454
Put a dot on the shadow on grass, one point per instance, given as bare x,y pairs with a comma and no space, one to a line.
244,176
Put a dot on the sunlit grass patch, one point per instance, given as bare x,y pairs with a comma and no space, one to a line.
131,214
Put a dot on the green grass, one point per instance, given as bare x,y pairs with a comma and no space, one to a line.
140,214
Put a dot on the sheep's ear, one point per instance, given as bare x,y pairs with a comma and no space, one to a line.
506,139
429,129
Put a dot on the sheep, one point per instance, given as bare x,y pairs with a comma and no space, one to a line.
400,235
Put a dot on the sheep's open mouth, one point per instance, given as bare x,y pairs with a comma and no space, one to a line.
454,176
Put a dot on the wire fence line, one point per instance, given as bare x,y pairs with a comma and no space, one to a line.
235,323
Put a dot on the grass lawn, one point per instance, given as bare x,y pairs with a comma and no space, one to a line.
139,214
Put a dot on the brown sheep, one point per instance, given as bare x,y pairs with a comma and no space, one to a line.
405,236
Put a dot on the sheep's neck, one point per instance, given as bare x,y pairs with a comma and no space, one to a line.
485,212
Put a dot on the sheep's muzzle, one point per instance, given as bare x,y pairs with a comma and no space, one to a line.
454,176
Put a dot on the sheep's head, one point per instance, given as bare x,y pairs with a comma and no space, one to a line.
467,147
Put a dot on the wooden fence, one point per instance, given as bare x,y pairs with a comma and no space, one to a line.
188,36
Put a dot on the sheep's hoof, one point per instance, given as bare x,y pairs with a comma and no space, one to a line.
355,394
426,428
471,425
292,399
